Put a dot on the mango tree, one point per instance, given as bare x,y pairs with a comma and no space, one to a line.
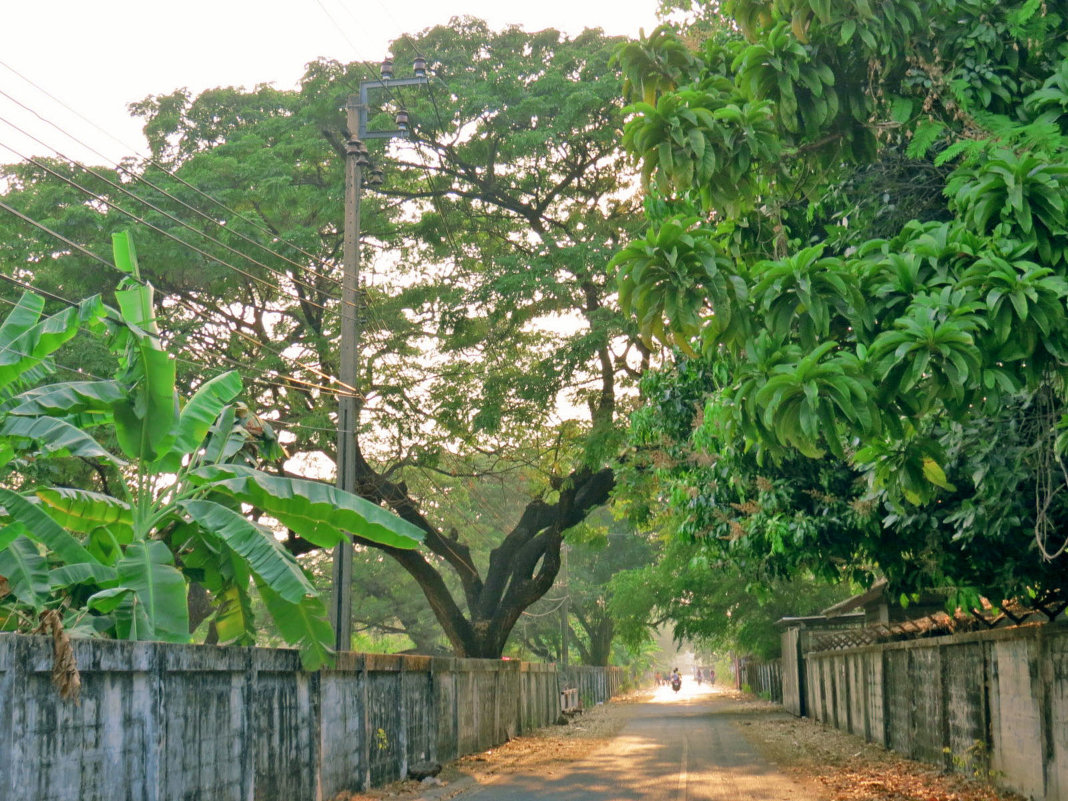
182,481
857,246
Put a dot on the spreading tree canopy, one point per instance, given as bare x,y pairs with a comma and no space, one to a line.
489,340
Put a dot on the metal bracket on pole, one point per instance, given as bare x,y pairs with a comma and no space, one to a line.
364,105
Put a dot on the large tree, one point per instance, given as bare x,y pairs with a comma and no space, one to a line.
176,479
489,340
857,239
579,607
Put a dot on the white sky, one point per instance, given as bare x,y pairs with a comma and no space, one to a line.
97,56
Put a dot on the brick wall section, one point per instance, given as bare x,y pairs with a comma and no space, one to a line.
162,722
988,701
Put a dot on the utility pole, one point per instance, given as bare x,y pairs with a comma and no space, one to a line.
356,160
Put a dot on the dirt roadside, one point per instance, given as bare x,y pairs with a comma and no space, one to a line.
837,766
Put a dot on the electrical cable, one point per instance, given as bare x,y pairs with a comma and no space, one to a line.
147,224
180,301
163,168
337,25
55,234
369,309
271,374
140,178
342,387
372,313
170,216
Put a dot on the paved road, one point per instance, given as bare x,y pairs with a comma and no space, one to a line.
674,748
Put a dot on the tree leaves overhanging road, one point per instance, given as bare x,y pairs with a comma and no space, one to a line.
856,246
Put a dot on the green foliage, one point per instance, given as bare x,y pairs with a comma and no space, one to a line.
597,551
120,564
887,338
712,602
667,278
490,314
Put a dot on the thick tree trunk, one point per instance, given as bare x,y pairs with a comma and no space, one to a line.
600,630
521,569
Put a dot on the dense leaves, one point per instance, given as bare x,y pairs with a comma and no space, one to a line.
898,360
119,562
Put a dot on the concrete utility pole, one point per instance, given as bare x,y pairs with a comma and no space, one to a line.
356,160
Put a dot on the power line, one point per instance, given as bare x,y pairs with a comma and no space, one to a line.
57,235
163,168
337,25
180,241
149,225
304,382
272,374
170,216
180,301
370,309
138,177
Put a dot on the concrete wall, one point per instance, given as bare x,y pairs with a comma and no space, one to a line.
162,722
992,701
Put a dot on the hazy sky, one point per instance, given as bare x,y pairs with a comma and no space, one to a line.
97,56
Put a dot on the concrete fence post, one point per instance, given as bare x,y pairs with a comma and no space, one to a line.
402,733
8,682
365,714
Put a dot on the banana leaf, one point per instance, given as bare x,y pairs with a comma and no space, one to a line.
303,624
106,542
224,438
26,341
68,398
148,569
144,421
268,560
107,601
233,620
43,529
26,572
198,416
54,437
203,409
124,253
317,512
83,511
84,573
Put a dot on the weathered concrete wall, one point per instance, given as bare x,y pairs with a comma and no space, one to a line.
990,701
161,722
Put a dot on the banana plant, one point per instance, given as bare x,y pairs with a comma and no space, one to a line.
184,489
